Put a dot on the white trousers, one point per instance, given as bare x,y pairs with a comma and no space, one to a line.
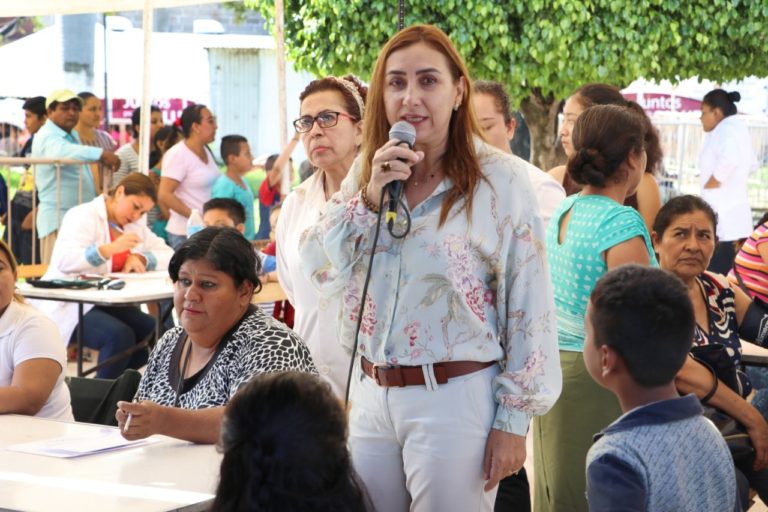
422,450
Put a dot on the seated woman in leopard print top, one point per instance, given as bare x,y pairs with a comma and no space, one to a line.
222,341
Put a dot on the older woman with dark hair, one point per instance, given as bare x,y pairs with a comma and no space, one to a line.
284,439
684,237
223,340
456,347
331,128
189,170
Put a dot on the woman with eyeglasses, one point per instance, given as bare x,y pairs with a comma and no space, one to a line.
189,171
330,125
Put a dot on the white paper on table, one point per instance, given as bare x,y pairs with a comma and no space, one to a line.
102,440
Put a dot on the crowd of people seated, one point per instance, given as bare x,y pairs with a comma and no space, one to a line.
449,298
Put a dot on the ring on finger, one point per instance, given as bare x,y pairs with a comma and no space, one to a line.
385,167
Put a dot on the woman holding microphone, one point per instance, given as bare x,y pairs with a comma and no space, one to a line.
457,346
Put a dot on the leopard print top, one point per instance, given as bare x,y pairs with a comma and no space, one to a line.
259,344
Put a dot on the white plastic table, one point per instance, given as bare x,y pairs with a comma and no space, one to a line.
168,475
139,289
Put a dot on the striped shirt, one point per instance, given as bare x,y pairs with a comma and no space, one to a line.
107,143
750,265
129,162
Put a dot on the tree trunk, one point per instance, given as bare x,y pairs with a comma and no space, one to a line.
541,116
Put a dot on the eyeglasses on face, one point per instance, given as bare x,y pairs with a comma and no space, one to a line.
326,119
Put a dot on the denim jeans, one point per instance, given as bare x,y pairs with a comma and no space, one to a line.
111,330
175,241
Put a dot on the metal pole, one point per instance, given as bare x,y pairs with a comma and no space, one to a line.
34,216
106,94
8,215
281,96
146,95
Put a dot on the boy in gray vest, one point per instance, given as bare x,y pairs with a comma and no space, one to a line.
661,454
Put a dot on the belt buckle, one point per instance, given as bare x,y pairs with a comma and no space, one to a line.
394,375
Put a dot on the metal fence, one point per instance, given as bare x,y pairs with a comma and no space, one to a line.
27,167
681,141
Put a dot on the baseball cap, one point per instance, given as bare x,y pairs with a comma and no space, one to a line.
62,96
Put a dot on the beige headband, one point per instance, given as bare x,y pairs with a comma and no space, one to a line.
354,92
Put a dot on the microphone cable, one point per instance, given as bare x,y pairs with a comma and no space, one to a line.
392,219
361,310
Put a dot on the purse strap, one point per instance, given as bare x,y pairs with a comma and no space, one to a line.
741,282
712,391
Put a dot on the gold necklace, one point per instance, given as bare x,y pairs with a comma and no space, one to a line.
416,182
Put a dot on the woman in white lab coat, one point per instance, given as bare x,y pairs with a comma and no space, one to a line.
107,235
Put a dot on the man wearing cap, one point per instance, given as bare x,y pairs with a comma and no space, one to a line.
58,139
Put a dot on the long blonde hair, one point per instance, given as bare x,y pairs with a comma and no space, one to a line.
460,160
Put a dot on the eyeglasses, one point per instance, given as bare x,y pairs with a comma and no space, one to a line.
325,119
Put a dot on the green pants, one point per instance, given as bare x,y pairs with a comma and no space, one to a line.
562,437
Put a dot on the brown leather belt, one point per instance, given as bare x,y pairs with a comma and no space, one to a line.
398,376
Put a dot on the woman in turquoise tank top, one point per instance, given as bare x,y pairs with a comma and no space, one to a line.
589,234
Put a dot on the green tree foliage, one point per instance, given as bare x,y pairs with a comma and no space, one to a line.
541,49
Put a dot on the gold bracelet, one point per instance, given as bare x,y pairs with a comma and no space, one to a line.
368,204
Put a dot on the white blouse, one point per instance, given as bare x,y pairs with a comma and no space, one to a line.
314,316
462,291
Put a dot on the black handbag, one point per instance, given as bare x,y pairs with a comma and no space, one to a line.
716,359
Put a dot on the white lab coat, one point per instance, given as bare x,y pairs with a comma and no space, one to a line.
82,227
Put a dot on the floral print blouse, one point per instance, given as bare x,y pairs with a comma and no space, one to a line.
722,327
466,291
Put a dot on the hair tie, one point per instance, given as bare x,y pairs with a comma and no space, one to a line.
177,122
349,86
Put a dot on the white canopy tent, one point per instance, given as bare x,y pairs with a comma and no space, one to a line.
52,7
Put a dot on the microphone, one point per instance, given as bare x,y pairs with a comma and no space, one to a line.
403,132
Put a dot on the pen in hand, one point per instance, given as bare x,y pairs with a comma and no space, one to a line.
130,416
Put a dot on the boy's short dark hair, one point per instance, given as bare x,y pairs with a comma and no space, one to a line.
230,146
270,163
234,209
36,105
646,316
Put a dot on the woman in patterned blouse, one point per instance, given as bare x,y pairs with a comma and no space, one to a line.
457,347
223,340
684,235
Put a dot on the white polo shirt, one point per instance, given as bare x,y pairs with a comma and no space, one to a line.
26,334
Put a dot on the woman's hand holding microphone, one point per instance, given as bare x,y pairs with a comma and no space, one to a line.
391,162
